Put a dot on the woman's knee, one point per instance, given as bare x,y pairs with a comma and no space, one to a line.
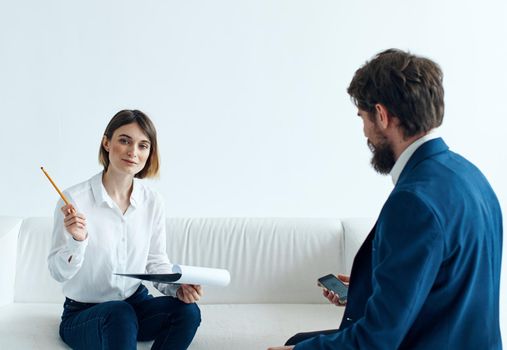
111,325
191,314
121,313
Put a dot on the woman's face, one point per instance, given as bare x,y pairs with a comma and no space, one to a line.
129,149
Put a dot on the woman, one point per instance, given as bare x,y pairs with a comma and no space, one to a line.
123,232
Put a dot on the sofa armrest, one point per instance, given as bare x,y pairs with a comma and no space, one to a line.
355,231
9,230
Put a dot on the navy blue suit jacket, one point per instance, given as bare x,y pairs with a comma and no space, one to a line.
428,275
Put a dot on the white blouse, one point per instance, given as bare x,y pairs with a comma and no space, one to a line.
134,242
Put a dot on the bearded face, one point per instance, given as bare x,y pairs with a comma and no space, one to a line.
383,158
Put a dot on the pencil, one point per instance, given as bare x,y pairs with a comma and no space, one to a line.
54,185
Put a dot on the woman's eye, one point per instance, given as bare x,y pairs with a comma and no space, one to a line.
124,141
144,146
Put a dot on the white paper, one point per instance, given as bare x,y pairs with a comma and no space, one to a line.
202,275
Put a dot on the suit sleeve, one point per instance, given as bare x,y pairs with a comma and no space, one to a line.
407,253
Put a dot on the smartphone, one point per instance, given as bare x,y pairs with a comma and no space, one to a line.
332,283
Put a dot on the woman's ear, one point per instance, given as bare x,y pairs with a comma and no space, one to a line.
105,143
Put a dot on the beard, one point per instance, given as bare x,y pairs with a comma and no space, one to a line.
383,158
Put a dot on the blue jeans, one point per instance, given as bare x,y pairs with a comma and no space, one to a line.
120,324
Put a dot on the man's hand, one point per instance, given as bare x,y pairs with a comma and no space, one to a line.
332,296
189,293
75,223
282,347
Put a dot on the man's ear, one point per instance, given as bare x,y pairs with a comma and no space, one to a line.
105,143
382,116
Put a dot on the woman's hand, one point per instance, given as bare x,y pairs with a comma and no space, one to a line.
189,293
75,223
333,297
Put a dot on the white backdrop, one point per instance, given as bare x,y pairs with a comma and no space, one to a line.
248,96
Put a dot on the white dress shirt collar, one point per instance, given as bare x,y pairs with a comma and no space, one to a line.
101,196
408,152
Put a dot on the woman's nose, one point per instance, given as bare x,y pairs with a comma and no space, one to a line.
131,152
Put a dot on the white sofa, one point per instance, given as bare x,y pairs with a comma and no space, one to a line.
274,265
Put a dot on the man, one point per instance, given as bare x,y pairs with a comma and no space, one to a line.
428,274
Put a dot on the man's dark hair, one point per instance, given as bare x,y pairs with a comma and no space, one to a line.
410,87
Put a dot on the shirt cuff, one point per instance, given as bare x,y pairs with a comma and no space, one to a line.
76,248
167,289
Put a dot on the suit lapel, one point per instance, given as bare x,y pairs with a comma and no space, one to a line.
360,282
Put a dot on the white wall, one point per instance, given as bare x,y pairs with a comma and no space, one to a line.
248,96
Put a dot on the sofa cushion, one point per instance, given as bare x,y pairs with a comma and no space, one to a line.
33,281
229,326
9,229
270,260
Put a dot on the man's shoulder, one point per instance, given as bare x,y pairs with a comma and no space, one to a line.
444,182
440,169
